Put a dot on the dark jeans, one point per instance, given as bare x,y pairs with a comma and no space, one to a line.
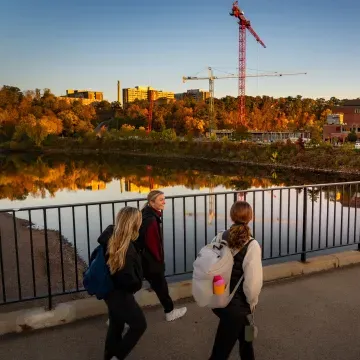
231,328
123,309
158,283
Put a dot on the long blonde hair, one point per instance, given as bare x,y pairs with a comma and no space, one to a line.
152,196
127,224
241,214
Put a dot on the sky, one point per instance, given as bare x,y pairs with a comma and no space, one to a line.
92,44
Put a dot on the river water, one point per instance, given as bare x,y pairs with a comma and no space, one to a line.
284,218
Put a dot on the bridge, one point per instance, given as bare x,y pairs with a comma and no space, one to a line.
44,250
310,318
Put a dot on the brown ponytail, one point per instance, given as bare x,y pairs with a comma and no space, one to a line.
241,214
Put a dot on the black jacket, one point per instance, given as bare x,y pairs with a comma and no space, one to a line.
128,279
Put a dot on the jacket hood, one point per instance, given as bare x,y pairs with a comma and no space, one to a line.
148,212
106,235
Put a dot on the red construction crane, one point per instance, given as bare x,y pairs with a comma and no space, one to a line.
244,25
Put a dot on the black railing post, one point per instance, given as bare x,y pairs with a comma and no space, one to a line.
2,271
47,258
17,255
303,251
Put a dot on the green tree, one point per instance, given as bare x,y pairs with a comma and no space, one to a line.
352,137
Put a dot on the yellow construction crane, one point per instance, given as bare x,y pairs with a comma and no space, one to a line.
211,79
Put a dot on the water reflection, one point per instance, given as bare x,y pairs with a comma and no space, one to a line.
39,177
286,221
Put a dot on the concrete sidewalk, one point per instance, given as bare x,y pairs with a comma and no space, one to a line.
310,318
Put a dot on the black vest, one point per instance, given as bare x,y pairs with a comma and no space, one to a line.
237,273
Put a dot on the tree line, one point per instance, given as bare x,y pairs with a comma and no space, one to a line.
35,115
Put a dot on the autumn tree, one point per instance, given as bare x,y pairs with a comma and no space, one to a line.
37,129
187,116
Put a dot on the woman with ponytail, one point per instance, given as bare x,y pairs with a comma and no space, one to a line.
126,272
247,263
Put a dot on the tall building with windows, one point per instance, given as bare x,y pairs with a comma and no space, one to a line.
86,97
143,93
196,94
85,94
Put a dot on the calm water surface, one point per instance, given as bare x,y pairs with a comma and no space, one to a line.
30,181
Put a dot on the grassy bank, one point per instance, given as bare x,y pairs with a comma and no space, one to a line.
323,158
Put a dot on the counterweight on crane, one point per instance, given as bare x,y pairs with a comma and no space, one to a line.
244,25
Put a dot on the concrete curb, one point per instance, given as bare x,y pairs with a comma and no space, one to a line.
39,318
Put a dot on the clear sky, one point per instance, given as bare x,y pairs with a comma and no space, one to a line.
92,44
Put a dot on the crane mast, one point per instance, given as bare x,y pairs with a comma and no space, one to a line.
244,24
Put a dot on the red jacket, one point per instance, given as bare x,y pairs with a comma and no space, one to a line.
153,238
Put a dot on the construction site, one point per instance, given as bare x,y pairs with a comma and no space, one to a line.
152,95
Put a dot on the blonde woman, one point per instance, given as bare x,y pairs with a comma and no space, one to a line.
125,268
151,246
247,262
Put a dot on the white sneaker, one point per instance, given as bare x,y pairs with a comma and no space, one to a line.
176,314
126,328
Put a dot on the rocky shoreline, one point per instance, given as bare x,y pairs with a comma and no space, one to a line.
23,267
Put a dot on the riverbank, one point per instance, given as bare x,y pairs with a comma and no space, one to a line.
214,160
27,277
324,159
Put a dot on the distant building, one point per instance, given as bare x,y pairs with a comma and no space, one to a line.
267,136
196,94
143,93
273,136
85,96
346,118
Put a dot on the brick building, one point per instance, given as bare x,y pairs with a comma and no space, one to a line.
346,118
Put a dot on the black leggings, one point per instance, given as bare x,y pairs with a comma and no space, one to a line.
231,328
159,284
123,309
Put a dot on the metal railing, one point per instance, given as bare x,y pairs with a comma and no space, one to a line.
44,250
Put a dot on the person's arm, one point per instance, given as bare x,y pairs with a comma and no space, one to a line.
152,240
253,274
131,276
